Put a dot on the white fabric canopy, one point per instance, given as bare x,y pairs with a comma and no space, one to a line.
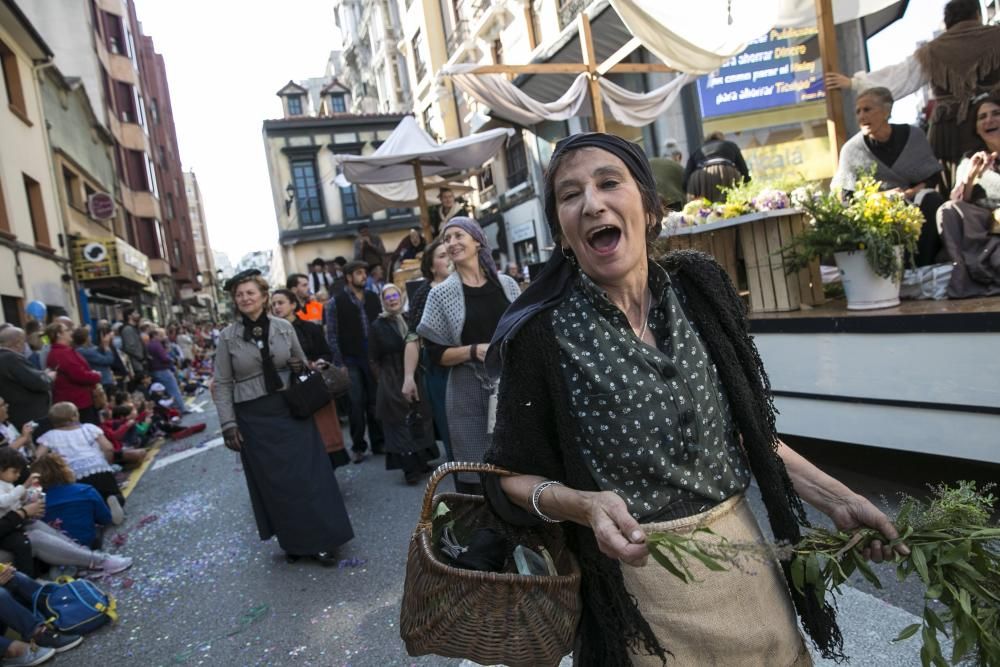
508,101
641,109
698,38
393,161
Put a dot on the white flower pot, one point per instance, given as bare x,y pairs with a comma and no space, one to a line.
865,289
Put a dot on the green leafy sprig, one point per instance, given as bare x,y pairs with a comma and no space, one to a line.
954,551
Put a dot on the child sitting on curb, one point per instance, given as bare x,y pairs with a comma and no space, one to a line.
75,509
46,543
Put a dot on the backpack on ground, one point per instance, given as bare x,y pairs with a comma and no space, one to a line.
73,606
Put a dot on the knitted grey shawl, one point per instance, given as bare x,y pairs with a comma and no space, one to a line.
915,164
444,314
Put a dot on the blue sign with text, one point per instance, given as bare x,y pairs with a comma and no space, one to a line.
778,69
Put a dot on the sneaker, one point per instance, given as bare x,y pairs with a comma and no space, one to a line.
115,564
35,655
49,638
117,513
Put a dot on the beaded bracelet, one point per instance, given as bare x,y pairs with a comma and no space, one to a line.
536,494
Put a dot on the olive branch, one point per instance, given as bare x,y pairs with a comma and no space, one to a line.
954,551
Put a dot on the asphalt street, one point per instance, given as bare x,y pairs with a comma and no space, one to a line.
205,590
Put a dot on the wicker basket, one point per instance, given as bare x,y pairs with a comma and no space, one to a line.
488,617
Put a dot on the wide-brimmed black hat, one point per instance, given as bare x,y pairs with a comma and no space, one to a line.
240,277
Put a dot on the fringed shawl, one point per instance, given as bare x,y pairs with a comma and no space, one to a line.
915,164
444,313
961,62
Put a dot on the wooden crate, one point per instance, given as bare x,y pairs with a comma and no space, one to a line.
771,288
720,244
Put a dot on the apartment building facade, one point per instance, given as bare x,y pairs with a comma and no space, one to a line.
371,64
108,272
206,276
34,265
100,45
181,284
316,217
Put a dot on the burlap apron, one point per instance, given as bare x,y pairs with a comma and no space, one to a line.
725,619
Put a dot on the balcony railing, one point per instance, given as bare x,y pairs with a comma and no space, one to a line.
479,8
458,36
569,10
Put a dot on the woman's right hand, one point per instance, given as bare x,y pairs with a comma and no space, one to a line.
617,532
232,438
35,509
481,351
979,163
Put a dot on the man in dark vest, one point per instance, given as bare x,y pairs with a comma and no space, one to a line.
347,317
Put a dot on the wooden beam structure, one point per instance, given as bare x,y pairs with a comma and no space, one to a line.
590,59
835,128
425,216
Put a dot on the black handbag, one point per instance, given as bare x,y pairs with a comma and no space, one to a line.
306,393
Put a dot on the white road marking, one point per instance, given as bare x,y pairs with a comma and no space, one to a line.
187,453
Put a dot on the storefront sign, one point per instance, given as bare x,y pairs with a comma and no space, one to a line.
101,206
780,68
96,259
805,158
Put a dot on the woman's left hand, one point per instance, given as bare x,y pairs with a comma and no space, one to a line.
855,511
296,364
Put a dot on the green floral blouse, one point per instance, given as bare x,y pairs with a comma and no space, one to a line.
654,424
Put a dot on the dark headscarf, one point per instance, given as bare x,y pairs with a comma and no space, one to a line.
555,280
472,228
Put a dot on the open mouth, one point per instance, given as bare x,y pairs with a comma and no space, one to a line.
604,239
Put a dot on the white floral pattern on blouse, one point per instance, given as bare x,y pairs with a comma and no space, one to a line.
653,425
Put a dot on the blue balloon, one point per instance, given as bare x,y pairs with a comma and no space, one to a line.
37,310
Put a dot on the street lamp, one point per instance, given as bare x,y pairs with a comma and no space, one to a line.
289,197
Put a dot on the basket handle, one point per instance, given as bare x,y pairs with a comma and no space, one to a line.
451,468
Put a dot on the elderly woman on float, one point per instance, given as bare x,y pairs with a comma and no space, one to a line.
632,399
902,159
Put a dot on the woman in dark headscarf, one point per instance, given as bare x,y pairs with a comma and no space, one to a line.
292,486
458,322
632,399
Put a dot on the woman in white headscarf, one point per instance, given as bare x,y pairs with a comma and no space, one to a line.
408,427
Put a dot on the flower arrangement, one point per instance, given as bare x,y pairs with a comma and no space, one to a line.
869,220
954,551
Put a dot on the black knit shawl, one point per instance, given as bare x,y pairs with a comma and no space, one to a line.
528,440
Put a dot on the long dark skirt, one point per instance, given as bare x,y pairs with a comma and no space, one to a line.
436,383
293,489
